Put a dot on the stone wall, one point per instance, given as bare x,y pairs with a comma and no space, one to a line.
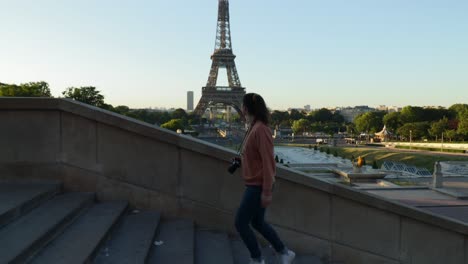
120,158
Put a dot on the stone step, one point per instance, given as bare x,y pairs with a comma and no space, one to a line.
271,257
174,243
269,254
29,233
81,239
212,247
131,241
16,199
239,251
304,259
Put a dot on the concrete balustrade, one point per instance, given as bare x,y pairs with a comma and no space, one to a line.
119,158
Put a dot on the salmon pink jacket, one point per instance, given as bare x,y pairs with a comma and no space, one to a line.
258,163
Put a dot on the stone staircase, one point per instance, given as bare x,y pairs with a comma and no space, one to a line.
41,224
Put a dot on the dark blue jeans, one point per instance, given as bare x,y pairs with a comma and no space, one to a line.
252,212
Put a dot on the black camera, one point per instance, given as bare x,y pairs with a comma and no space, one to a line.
235,164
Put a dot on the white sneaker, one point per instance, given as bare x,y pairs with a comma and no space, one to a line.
287,257
252,261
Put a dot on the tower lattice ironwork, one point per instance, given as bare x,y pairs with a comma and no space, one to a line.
222,57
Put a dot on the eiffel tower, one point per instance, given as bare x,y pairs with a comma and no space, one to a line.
222,57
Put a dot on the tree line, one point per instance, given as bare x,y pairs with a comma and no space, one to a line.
419,123
412,121
322,120
174,120
416,122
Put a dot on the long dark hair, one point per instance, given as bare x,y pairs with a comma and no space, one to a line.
256,107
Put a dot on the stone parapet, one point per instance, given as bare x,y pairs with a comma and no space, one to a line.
119,158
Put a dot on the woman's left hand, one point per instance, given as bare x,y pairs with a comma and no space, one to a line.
266,200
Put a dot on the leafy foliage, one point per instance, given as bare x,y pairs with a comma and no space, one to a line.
31,89
437,128
417,131
174,124
87,94
369,122
392,121
301,125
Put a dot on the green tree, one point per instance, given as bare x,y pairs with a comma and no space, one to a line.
87,94
195,119
450,134
463,129
286,123
369,122
301,125
31,89
351,128
174,124
435,114
322,115
412,114
460,111
165,117
108,107
316,127
418,130
461,114
338,118
278,118
330,128
437,128
296,115
122,109
179,113
392,121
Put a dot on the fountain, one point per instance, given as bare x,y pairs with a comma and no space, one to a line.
327,166
360,173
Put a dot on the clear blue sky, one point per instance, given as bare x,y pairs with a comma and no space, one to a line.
297,52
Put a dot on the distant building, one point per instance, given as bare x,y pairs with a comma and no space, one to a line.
394,109
349,113
434,107
298,109
389,108
190,101
307,108
382,108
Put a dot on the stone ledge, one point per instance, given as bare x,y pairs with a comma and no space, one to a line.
116,120
458,195
399,208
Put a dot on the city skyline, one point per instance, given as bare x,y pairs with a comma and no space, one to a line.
150,53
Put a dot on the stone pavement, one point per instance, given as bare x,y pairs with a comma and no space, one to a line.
448,201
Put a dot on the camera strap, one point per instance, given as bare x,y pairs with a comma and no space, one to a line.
239,150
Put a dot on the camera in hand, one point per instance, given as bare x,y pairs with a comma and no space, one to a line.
235,164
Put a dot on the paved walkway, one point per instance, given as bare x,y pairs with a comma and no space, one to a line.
443,201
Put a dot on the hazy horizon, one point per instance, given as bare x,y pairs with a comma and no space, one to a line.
305,52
